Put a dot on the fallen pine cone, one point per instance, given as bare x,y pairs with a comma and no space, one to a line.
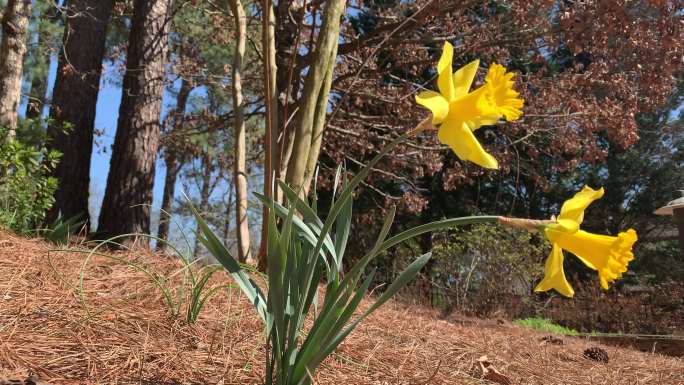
596,354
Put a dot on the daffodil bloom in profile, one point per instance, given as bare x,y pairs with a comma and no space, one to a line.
459,112
606,254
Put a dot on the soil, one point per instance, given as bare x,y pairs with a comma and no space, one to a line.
118,329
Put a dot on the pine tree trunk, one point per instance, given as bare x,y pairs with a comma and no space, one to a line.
172,170
205,192
127,200
228,218
39,63
288,29
173,165
270,137
74,101
15,20
37,98
240,162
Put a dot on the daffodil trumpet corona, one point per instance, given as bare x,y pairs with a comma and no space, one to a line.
457,112
608,255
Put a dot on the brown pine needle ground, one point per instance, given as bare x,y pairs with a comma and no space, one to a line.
123,333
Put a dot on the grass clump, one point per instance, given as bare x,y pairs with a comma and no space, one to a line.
545,325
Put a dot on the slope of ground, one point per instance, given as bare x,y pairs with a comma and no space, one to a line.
120,331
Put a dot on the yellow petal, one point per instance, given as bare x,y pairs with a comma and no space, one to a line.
488,115
573,208
456,134
444,79
501,93
565,225
554,276
476,109
463,78
436,103
609,255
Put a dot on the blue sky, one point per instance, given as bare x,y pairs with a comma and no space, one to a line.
106,120
108,102
107,111
106,116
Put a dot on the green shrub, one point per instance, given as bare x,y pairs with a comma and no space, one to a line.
483,269
26,189
658,262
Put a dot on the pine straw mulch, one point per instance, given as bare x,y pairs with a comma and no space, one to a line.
127,335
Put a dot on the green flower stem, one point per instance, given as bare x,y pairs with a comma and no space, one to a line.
437,225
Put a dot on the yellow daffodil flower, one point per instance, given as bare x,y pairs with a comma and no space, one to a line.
460,112
607,254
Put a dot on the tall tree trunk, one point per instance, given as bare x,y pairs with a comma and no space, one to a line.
173,164
39,60
290,17
314,97
204,197
127,200
240,163
36,96
15,20
319,124
74,101
270,137
228,218
172,170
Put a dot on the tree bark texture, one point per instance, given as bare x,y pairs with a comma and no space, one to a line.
172,170
205,192
312,109
228,219
173,164
319,124
271,134
39,60
240,162
126,206
290,18
74,100
15,21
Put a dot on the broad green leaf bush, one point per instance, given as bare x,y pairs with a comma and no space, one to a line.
480,269
659,262
26,187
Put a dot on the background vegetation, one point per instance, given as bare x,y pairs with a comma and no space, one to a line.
331,82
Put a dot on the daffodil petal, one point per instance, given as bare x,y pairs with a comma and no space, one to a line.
460,138
501,93
566,225
483,120
554,275
607,254
476,109
463,78
573,208
444,79
436,103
